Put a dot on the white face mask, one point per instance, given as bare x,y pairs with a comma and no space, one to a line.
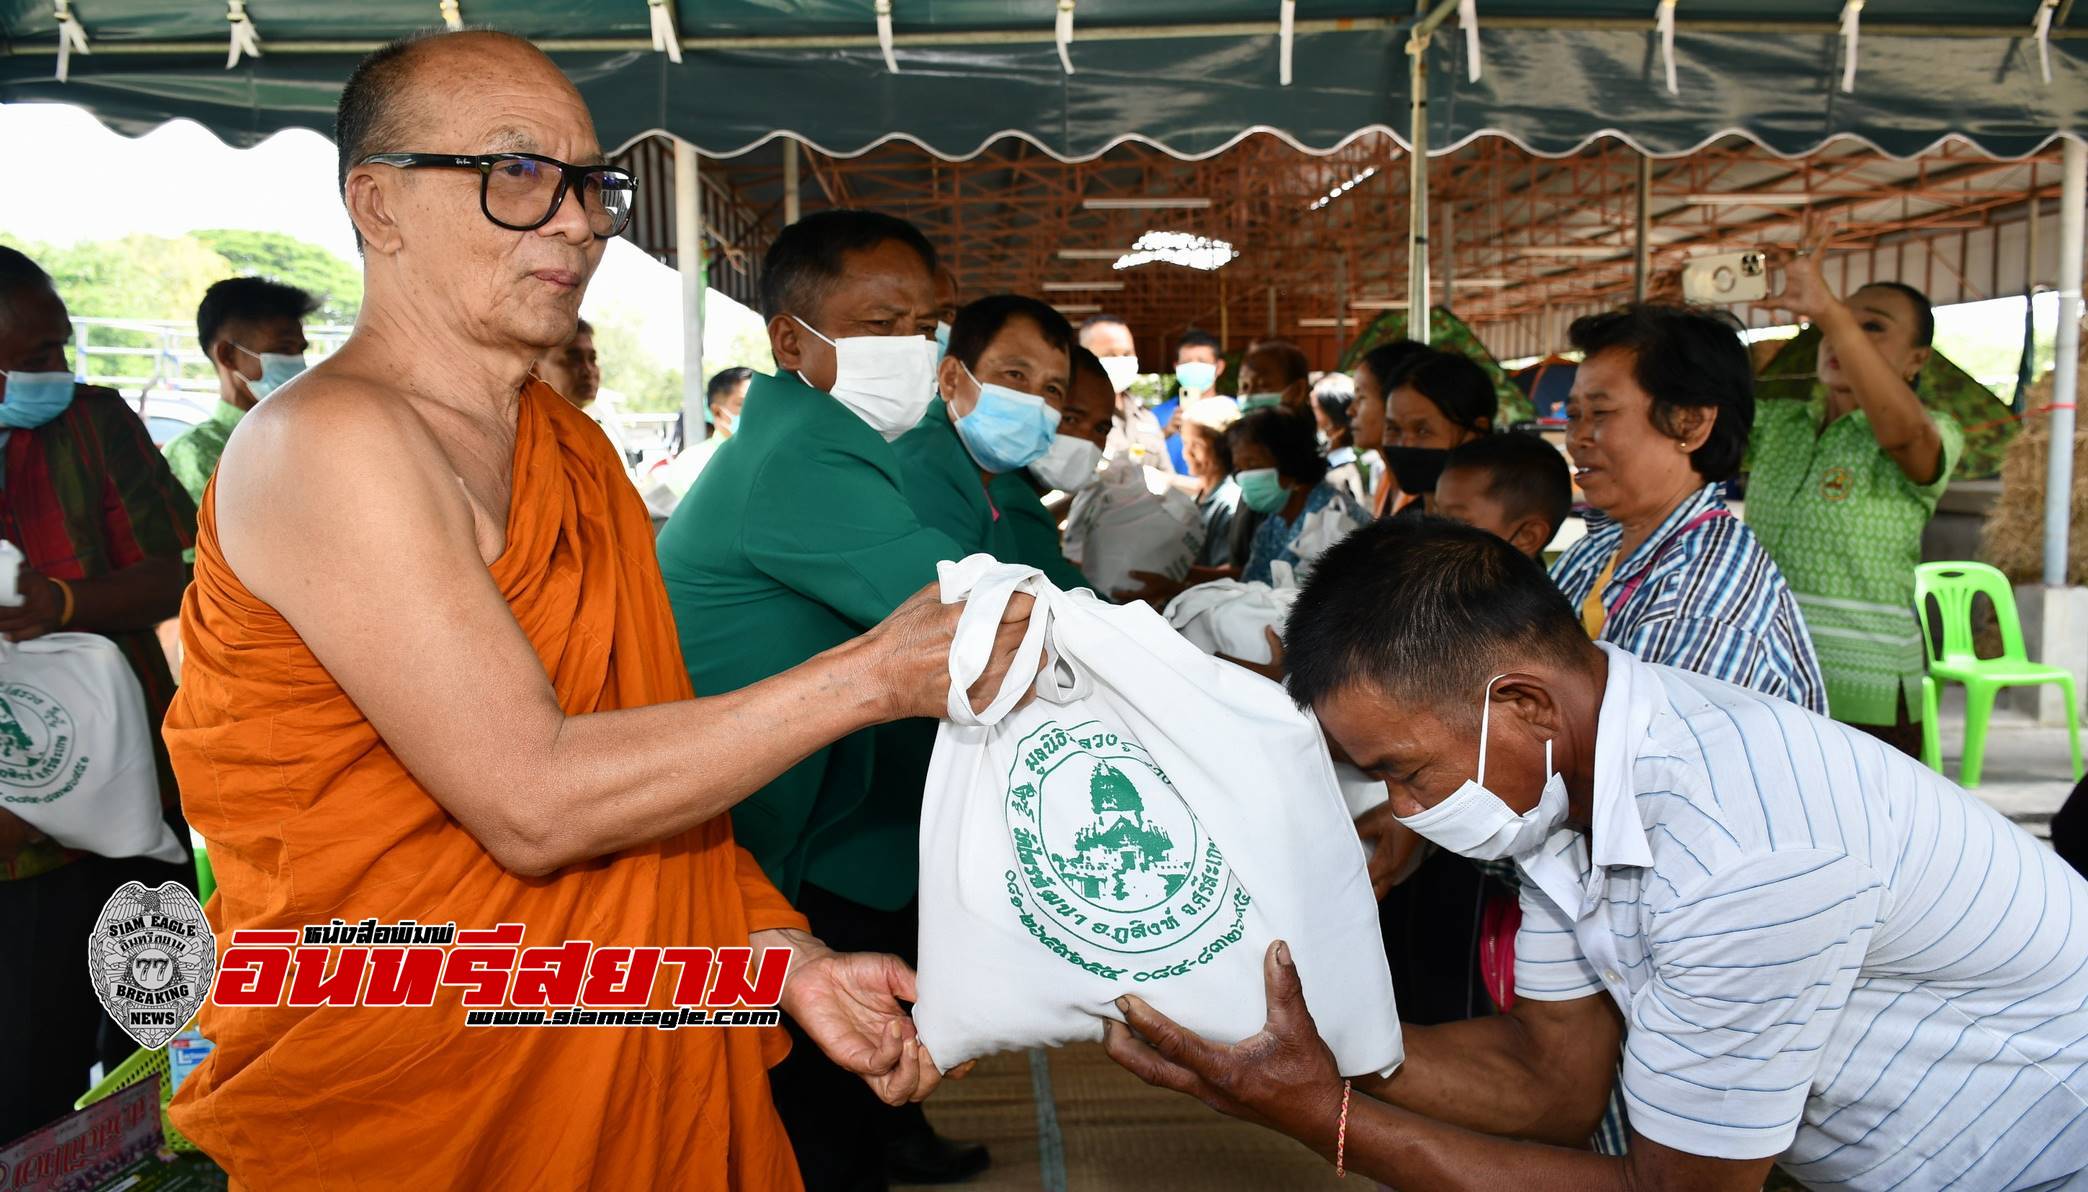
1474,822
1070,465
886,380
1122,371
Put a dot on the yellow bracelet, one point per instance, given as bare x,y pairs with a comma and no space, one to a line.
65,615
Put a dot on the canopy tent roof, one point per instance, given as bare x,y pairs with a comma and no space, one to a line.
1190,77
1521,244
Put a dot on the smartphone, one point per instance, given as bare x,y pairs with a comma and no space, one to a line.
1726,277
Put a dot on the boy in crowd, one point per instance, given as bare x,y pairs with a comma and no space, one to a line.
1514,486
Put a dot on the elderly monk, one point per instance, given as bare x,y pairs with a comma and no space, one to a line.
432,674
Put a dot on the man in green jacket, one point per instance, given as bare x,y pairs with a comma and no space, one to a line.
1072,464
798,536
1004,383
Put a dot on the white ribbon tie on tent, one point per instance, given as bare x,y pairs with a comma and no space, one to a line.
2042,29
1064,36
1664,24
1468,17
884,35
452,15
666,39
1286,25
72,38
246,40
1852,14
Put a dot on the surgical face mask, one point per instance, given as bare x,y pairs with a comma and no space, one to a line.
31,399
1194,376
942,342
276,371
1474,822
1259,401
1122,371
1070,465
886,380
1007,428
726,421
1262,489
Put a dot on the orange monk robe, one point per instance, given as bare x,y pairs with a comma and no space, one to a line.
311,818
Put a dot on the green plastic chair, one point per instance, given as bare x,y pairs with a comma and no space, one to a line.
206,879
1953,587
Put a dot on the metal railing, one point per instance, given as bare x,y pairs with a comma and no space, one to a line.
153,361
159,359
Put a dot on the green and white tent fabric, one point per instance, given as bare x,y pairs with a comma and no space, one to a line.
1189,76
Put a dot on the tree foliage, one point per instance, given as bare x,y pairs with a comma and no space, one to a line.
334,282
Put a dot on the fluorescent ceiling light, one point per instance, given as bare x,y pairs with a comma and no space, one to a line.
1768,198
1177,248
1379,304
1324,322
1342,188
1145,203
1569,250
1483,282
1089,254
1063,287
1077,308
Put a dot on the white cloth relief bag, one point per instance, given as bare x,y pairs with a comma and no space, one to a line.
76,748
1132,518
1149,824
1232,618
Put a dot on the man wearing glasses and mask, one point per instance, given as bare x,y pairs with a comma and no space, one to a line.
799,536
431,676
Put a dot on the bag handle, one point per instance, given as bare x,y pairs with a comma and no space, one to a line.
986,586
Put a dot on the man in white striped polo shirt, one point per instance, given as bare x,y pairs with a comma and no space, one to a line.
1807,949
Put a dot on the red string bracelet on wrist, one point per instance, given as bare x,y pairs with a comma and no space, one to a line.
1341,1136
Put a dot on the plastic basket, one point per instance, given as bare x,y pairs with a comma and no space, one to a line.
142,1065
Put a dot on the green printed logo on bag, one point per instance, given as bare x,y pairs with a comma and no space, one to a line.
1110,854
37,759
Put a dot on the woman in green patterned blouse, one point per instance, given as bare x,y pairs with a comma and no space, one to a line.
1842,486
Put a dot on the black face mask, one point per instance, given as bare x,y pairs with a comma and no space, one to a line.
1415,469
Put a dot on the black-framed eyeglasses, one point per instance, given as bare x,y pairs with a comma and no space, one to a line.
521,191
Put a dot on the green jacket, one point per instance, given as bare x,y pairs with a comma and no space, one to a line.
1005,518
797,537
193,454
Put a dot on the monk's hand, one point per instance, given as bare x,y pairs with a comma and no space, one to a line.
910,653
849,1003
1283,1078
38,612
1396,850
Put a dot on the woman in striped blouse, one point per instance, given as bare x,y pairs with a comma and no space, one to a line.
1658,420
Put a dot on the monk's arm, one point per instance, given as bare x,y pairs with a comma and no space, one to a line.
345,517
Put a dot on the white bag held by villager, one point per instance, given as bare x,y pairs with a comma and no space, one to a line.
1132,518
1320,531
76,748
1150,825
1229,617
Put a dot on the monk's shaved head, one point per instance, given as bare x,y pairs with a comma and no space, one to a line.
394,95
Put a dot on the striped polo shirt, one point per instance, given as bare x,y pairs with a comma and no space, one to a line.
1702,595
1822,950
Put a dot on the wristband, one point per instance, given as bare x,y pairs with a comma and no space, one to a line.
65,612
1341,1136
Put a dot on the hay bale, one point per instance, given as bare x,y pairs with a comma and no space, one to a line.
2013,538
